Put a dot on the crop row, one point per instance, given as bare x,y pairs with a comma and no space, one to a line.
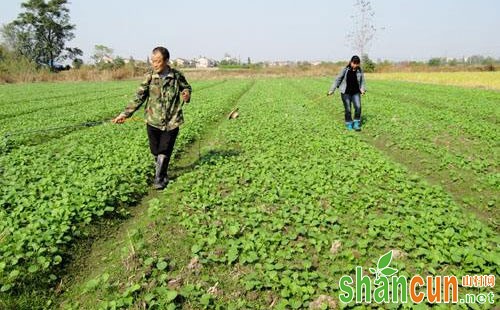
22,107
22,94
41,120
446,113
49,192
25,95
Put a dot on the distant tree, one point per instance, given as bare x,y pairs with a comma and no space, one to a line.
77,63
364,29
17,41
368,64
13,64
41,32
118,62
453,62
488,61
488,64
475,59
434,62
249,61
74,53
9,35
101,52
3,52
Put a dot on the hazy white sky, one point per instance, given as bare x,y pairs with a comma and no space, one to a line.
281,29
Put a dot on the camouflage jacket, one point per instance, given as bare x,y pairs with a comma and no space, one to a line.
162,94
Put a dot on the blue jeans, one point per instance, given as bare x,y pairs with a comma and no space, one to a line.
356,101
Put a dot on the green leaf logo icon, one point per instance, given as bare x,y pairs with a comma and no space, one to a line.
383,269
384,260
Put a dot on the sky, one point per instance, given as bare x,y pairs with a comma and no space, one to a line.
281,29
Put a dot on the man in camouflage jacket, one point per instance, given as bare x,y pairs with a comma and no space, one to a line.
165,90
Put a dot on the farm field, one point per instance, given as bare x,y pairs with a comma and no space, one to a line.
485,80
265,211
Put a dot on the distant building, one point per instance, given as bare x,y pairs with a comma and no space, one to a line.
183,63
228,60
204,62
107,59
281,63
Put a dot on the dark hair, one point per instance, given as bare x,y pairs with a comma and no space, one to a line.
355,59
163,51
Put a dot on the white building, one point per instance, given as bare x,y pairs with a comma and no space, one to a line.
181,62
204,62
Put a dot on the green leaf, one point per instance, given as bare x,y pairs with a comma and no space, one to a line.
5,287
388,271
233,230
161,265
285,293
232,254
57,259
91,284
456,258
134,288
14,273
195,248
205,299
149,297
384,260
149,261
295,303
170,295
105,277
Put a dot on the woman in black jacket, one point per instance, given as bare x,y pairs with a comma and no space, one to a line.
351,82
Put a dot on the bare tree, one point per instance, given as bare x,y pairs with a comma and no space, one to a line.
363,28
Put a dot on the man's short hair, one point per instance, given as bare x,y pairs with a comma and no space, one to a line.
163,51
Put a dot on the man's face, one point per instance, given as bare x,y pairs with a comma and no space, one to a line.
158,63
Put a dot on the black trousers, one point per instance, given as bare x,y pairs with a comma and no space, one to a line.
162,141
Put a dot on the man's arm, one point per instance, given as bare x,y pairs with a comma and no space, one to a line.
141,96
185,88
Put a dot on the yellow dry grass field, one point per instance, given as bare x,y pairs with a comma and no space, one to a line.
487,80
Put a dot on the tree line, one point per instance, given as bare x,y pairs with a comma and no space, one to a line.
41,33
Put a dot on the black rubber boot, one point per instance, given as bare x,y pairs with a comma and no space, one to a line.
161,178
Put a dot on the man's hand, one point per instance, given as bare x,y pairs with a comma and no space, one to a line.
120,119
363,92
329,93
186,95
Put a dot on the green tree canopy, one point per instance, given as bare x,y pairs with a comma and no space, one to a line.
101,52
41,32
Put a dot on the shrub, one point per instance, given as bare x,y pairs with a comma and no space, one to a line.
368,64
